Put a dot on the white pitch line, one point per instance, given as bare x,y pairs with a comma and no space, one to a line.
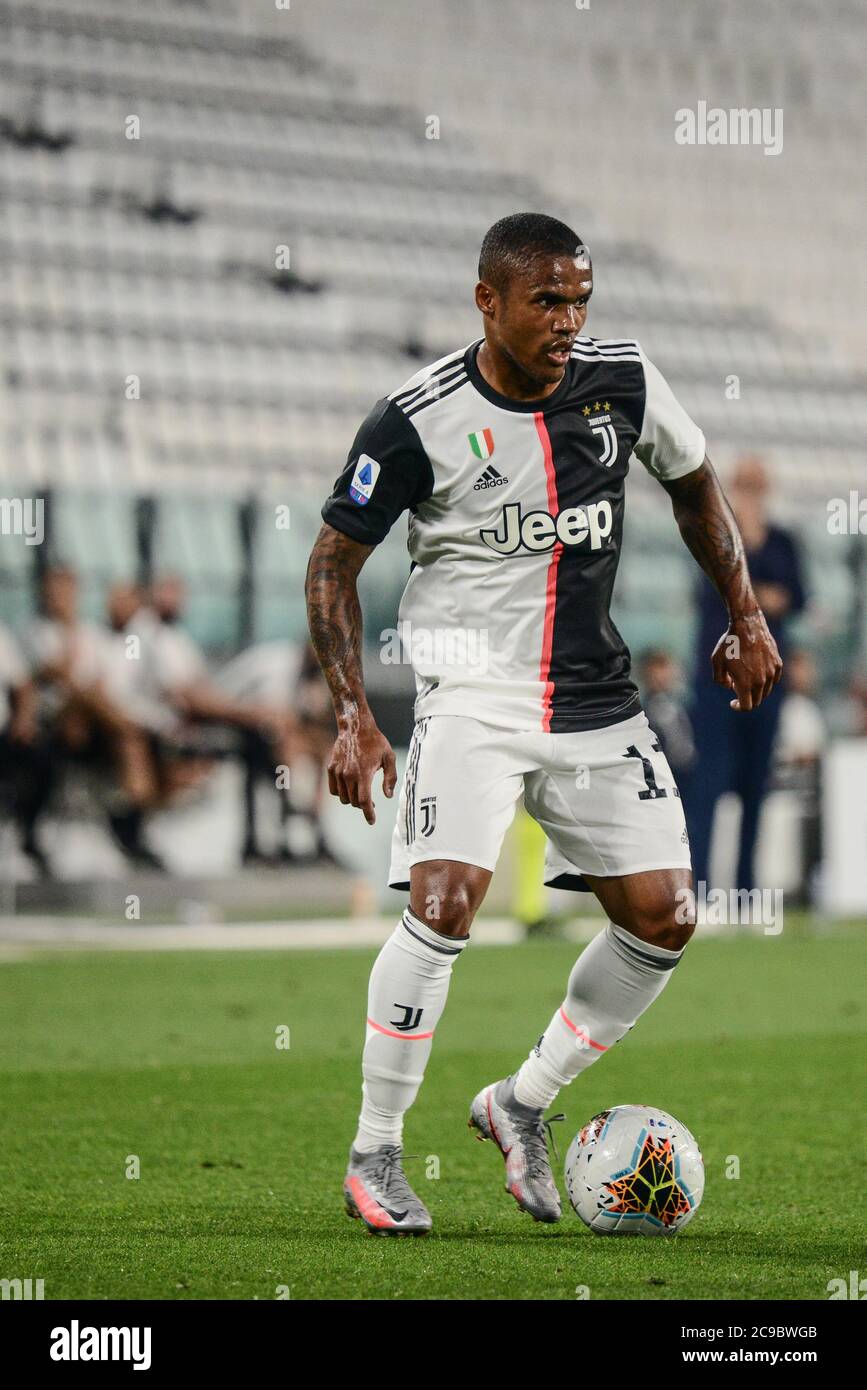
22,937
17,935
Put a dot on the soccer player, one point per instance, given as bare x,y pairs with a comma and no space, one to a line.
511,457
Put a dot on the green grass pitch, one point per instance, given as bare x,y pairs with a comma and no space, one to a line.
757,1045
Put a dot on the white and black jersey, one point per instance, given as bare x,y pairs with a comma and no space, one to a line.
516,520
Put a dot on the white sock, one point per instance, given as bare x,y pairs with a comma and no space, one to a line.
612,982
409,984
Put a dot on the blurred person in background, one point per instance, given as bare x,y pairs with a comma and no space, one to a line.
802,733
24,770
852,715
183,678
801,740
251,696
81,718
136,684
661,684
285,672
734,749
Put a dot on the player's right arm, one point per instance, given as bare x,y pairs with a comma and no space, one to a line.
334,617
387,471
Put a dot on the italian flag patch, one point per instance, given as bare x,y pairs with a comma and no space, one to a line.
482,443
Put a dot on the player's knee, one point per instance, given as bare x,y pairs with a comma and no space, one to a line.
663,922
677,935
447,895
450,913
456,914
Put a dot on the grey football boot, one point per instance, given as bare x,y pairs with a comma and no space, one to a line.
521,1134
376,1190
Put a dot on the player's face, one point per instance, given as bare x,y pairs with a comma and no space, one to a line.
537,319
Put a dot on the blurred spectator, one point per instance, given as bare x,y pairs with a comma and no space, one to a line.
176,694
178,669
801,739
24,774
131,677
137,682
802,733
17,692
661,683
136,699
80,718
267,671
734,748
275,671
853,713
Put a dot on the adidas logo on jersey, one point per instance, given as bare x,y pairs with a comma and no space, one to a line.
539,531
490,478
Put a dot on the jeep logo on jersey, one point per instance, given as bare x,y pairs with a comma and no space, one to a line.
540,531
364,480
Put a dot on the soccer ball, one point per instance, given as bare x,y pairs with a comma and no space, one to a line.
634,1171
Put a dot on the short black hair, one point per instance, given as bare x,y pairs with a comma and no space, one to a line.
513,243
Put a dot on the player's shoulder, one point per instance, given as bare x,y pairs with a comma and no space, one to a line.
431,383
607,350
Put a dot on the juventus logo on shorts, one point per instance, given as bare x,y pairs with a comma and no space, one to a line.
429,815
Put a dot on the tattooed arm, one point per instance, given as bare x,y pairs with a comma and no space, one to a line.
745,659
334,618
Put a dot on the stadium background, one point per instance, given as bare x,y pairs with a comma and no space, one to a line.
227,228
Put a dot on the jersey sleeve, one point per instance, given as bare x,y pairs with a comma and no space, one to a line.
387,471
671,444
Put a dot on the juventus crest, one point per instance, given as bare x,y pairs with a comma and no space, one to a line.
429,815
601,425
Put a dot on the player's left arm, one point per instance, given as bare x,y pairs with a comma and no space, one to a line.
745,659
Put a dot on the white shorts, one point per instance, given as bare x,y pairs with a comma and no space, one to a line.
605,798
